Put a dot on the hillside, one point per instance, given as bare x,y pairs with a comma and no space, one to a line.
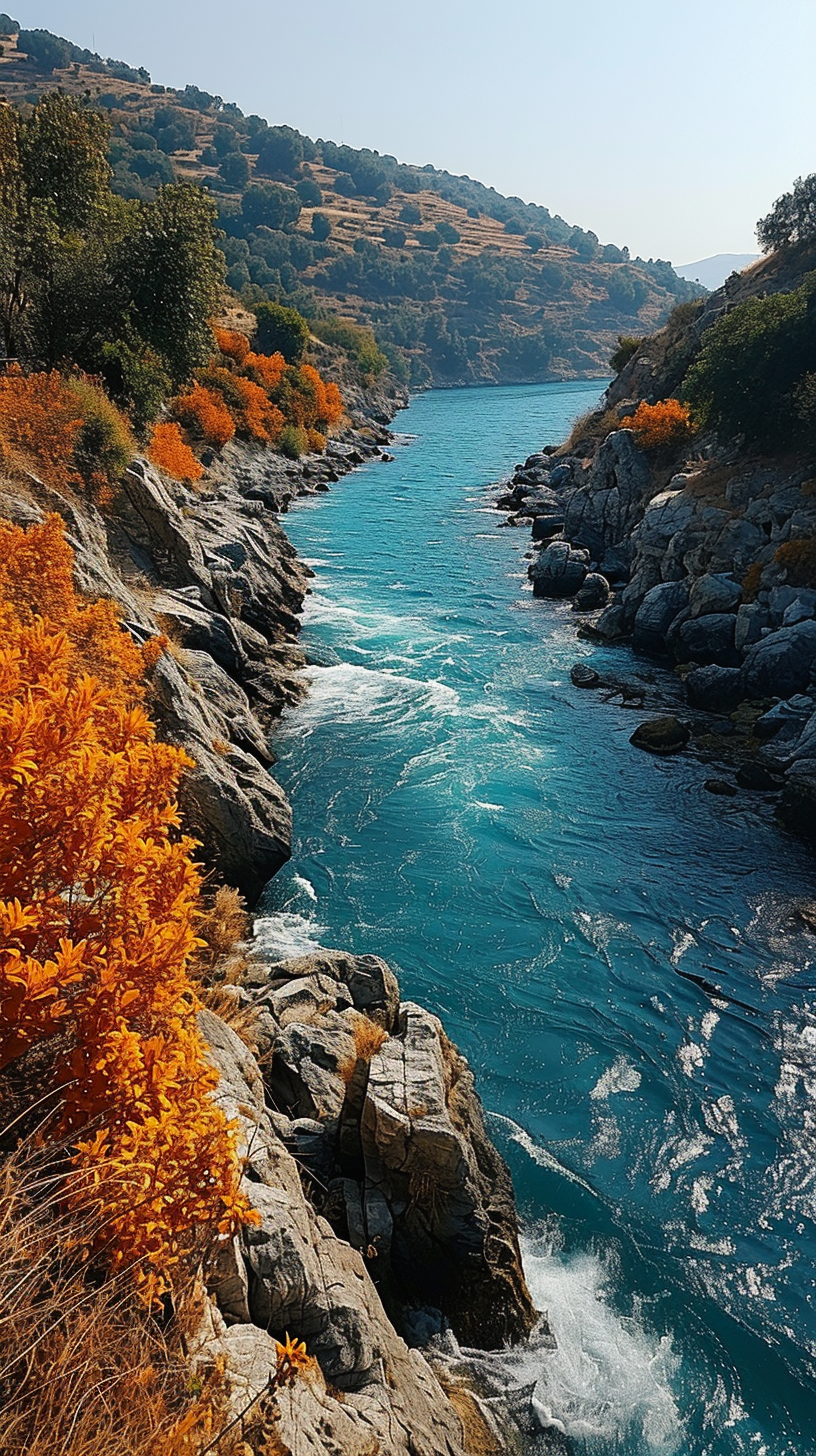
460,284
712,272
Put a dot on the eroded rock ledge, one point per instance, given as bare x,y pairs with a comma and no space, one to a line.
382,1207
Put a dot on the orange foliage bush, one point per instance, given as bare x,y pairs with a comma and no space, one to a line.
265,369
799,560
204,410
168,450
659,425
98,899
258,417
232,343
327,402
40,418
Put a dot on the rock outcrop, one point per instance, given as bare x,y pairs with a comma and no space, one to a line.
376,1191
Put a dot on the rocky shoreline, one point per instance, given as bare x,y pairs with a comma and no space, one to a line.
699,568
387,1232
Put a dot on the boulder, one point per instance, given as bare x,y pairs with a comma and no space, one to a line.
582,676
783,663
662,735
751,619
655,615
756,776
715,689
559,570
721,787
594,593
714,593
708,639
786,718
547,525
370,981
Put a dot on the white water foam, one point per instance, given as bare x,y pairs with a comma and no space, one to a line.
607,1386
622,1076
349,693
288,934
608,1383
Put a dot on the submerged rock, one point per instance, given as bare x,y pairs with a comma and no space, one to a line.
722,787
582,676
661,735
715,689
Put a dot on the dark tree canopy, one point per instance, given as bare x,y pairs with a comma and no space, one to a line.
792,218
281,330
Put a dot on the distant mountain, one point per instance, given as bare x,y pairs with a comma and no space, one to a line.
460,284
712,272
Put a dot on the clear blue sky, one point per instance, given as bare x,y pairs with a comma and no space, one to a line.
668,128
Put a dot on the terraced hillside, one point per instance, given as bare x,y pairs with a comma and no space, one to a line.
460,284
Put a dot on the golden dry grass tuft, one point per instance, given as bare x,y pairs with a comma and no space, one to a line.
85,1368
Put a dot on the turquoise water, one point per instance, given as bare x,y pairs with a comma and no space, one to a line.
465,812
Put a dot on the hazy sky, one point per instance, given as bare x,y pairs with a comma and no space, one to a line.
667,128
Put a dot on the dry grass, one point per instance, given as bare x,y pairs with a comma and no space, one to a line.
590,430
85,1370
368,1038
221,962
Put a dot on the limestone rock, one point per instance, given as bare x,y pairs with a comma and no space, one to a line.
593,594
604,510
708,639
712,593
371,983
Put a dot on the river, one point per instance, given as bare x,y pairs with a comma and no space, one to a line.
465,812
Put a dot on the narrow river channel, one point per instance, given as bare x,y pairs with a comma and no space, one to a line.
465,812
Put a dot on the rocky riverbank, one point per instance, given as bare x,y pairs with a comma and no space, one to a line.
703,563
386,1219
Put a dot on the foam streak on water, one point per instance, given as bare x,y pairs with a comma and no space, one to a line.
462,810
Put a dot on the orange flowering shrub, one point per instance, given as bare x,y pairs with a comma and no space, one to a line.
658,425
168,450
266,369
40,418
204,410
258,417
232,343
98,902
328,405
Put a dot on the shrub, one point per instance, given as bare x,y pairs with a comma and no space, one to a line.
136,378
752,581
232,343
265,369
269,204
98,898
168,450
281,151
293,442
359,342
429,238
658,426
394,237
204,410
344,184
321,227
410,213
281,330
799,561
104,445
534,242
448,233
39,418
627,346
752,361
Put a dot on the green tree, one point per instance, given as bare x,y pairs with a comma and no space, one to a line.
280,330
792,218
309,192
281,152
321,227
750,375
234,170
171,270
268,204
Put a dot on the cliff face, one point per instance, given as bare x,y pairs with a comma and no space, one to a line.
705,561
381,1203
